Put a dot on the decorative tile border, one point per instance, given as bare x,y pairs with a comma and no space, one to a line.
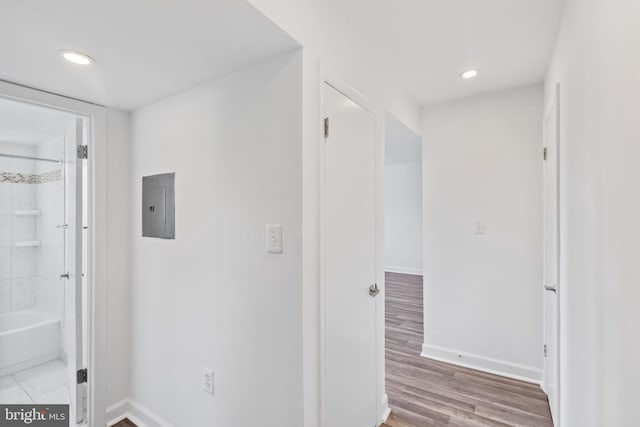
51,176
18,178
25,178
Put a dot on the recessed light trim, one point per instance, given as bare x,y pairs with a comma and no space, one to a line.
76,57
469,74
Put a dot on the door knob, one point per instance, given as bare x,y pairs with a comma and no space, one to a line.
551,288
374,290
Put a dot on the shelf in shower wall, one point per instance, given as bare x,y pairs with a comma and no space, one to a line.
34,212
27,243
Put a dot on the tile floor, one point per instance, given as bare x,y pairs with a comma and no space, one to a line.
43,384
46,383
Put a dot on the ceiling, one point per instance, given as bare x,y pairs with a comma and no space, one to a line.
30,124
144,50
427,44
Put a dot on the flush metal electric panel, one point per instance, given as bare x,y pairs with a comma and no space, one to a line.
158,206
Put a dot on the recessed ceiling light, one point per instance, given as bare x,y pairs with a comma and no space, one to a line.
469,74
76,57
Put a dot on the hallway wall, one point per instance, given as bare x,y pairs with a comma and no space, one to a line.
597,64
482,200
119,226
331,46
403,217
213,297
402,198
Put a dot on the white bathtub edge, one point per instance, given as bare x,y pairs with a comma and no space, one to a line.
43,322
35,338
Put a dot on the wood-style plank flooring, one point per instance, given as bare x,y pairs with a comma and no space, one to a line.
125,423
427,393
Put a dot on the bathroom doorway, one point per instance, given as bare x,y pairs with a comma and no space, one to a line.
44,241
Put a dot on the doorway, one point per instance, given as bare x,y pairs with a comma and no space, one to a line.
44,262
424,388
402,256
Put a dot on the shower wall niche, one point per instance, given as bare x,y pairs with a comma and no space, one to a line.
32,195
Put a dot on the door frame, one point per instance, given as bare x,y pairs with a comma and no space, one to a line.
342,86
97,236
555,103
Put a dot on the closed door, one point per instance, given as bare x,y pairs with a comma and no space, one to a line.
551,256
349,362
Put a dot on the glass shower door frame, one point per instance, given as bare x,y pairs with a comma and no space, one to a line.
74,267
95,183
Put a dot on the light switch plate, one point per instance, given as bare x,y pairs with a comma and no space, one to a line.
274,238
480,228
208,380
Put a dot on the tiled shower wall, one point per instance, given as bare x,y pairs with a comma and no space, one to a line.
27,278
17,265
50,198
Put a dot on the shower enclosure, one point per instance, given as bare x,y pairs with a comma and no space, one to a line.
42,257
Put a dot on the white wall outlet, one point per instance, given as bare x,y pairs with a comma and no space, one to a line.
274,238
207,380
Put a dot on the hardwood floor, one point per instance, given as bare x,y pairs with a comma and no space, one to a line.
125,423
427,393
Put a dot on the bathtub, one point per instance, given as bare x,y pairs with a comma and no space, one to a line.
27,339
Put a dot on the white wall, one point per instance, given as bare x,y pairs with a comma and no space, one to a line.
119,231
596,62
402,199
330,41
403,217
331,46
213,297
482,296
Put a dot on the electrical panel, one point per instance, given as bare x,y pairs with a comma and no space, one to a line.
158,206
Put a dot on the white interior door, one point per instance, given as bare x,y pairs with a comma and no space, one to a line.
73,324
551,256
349,263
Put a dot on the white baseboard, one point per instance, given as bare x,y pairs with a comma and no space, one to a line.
117,412
386,411
134,411
482,363
403,270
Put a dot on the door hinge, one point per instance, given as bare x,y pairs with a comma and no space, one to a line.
81,376
83,152
544,153
374,290
545,350
326,127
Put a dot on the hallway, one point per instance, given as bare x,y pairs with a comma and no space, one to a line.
426,393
